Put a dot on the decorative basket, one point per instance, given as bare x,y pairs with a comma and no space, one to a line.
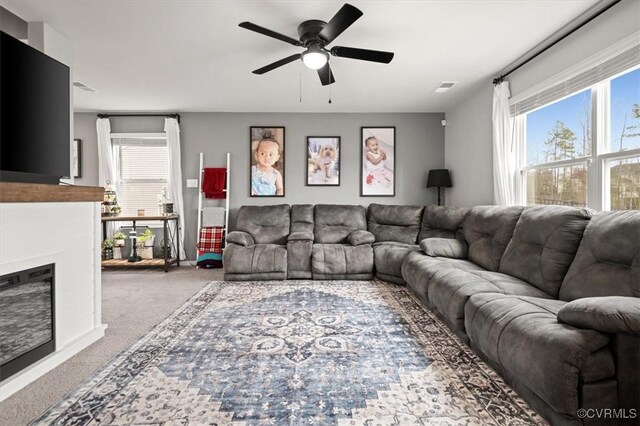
107,254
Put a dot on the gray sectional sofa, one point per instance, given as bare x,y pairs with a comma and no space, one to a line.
548,296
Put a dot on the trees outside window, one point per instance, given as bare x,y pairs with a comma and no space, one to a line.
563,157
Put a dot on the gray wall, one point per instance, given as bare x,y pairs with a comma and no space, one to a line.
419,147
469,150
468,144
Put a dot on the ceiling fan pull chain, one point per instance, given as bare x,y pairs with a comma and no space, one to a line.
329,93
300,81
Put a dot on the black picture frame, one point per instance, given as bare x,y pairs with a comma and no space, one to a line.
76,158
323,161
376,181
260,186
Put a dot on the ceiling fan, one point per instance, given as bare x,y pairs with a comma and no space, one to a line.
315,35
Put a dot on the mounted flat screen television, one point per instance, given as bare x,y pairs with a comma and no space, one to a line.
34,115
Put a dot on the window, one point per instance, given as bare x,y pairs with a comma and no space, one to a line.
568,164
143,166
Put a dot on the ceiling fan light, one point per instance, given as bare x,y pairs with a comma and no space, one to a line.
314,59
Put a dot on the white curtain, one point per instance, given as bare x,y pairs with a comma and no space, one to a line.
517,143
106,166
172,128
505,158
107,171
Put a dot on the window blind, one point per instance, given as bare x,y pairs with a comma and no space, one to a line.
144,170
620,63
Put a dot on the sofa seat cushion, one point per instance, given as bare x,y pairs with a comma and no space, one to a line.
522,335
339,260
512,285
388,257
418,268
449,291
256,259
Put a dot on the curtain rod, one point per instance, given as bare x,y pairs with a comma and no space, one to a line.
555,38
169,115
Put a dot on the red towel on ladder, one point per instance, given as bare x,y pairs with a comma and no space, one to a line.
214,182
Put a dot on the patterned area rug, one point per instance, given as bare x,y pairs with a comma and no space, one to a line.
296,352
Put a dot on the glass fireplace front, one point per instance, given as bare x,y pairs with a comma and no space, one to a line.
27,318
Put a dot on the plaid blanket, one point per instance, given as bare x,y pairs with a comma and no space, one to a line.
211,239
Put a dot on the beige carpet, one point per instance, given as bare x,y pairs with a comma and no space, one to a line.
133,301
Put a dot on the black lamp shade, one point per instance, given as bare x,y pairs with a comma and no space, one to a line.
439,178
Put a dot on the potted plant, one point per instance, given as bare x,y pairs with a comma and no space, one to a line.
119,238
147,238
107,249
145,244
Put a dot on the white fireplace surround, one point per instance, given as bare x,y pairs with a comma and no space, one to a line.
68,235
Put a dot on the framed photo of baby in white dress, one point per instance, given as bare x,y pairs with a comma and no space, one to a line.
267,162
323,161
377,161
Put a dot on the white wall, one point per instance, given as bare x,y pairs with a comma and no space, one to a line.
468,146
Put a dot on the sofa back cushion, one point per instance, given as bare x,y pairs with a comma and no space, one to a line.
266,224
487,230
334,223
442,221
394,223
544,244
302,218
608,260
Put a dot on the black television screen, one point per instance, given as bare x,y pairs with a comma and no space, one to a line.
34,114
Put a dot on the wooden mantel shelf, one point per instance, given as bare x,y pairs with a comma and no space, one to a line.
11,192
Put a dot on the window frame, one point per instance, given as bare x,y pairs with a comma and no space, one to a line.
598,195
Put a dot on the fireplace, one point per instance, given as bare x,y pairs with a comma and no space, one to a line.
27,318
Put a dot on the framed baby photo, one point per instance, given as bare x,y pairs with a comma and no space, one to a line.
323,161
377,161
267,161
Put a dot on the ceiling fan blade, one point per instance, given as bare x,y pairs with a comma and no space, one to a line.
277,64
270,33
326,76
342,20
362,54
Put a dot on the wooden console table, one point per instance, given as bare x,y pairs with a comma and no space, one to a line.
166,261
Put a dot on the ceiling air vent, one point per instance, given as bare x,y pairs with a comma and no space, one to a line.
444,86
83,87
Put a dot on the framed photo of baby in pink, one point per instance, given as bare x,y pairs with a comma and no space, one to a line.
267,161
377,161
323,161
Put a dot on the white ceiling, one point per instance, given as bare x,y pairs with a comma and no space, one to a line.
190,55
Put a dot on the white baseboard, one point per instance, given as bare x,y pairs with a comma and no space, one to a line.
21,379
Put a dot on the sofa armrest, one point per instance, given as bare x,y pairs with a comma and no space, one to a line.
241,238
300,236
444,247
360,237
612,314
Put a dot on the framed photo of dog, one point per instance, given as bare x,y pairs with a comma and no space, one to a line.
323,161
267,161
378,161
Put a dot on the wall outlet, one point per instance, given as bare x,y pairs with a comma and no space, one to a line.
192,183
